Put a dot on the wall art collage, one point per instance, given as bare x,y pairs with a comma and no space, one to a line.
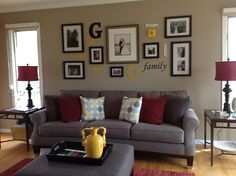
122,46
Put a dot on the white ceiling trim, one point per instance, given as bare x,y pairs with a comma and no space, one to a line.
36,5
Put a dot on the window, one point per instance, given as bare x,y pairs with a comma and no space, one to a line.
23,49
229,43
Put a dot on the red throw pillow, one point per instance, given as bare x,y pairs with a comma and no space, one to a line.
153,110
70,108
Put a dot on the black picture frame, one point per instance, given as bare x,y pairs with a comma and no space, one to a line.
181,58
151,50
178,26
72,38
96,55
74,70
116,71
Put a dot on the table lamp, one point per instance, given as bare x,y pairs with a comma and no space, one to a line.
28,73
226,71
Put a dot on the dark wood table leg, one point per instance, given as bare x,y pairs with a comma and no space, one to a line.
205,129
212,141
27,131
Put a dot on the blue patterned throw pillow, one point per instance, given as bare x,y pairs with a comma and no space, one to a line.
130,109
92,108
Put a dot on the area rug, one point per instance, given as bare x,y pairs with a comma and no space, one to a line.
157,172
10,171
136,171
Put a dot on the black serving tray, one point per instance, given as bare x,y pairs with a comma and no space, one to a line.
73,152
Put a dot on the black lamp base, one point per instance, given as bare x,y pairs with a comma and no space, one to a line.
30,101
227,90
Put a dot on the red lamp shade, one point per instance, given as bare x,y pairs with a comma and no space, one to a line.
226,71
27,73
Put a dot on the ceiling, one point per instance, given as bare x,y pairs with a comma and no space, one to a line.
24,5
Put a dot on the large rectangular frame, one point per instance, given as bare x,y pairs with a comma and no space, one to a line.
122,44
181,58
74,70
72,38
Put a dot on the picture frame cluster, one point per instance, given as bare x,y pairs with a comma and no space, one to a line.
123,47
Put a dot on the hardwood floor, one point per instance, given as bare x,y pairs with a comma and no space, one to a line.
224,165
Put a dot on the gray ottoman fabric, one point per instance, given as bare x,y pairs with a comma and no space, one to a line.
119,163
62,129
116,129
159,133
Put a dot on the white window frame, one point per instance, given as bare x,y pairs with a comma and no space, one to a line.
11,28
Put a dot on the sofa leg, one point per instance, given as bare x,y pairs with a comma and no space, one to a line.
36,150
190,161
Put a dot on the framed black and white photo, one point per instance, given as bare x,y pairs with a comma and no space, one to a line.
74,70
122,42
96,55
181,58
116,72
151,50
72,38
179,26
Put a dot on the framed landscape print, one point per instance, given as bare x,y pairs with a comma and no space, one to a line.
96,55
122,42
181,58
72,38
179,26
116,71
74,70
151,50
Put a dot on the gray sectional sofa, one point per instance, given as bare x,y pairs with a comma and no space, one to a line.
167,139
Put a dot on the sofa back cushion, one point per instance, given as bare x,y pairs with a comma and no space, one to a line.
113,101
149,94
84,93
70,108
52,107
179,93
175,109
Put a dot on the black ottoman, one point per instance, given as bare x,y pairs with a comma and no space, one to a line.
119,163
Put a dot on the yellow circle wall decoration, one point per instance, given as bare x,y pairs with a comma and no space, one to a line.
131,72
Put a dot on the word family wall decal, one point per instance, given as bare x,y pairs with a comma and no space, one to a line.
157,66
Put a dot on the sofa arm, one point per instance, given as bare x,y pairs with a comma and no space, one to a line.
190,125
38,117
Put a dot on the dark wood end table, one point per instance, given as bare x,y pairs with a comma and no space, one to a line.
16,114
215,121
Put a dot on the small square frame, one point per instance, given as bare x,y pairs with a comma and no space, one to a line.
72,38
181,58
73,70
178,26
96,55
116,72
151,50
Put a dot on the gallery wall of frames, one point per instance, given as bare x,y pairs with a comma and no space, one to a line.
122,47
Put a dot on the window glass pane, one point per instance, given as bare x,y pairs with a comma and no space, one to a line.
26,52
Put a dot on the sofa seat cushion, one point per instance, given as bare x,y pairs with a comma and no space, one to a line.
59,128
115,128
157,133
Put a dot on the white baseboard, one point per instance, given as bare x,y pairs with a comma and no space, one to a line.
5,130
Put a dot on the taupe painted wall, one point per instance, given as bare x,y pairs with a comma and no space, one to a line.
206,48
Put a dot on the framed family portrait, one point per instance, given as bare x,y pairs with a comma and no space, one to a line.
122,42
151,50
72,38
179,26
96,55
116,72
74,70
181,58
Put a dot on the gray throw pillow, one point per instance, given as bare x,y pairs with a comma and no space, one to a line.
52,108
175,109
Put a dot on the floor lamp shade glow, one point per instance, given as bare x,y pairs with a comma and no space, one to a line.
28,73
226,71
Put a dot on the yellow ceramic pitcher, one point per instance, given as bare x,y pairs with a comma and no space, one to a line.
94,143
